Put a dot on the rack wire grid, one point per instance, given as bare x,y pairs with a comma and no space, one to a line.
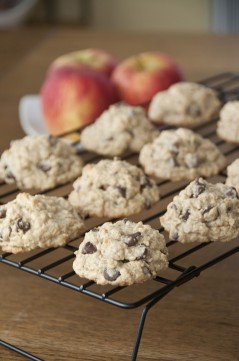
56,264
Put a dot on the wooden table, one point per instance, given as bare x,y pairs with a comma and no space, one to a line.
198,321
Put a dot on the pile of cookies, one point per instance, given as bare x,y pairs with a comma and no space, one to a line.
123,252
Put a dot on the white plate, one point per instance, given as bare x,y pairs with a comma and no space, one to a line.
32,119
30,114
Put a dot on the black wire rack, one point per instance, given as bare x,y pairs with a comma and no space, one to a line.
55,265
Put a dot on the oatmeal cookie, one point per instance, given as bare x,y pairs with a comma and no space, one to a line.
203,212
185,104
121,253
233,174
29,222
119,129
228,125
181,154
39,162
113,188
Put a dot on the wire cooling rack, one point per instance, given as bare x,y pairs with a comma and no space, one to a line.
56,264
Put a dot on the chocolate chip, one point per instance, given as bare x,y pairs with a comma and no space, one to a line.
130,132
143,255
10,175
111,274
146,271
193,110
44,166
210,214
122,191
198,188
147,204
89,248
23,225
119,104
125,261
131,239
174,149
52,140
135,111
103,187
231,193
3,213
207,209
174,236
164,251
147,184
185,216
173,206
95,229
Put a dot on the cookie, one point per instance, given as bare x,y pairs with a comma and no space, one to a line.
121,253
119,129
29,222
181,154
203,212
228,125
113,188
39,162
185,104
233,174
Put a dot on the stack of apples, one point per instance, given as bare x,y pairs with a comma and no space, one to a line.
79,86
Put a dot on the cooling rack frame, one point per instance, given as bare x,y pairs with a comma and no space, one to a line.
227,86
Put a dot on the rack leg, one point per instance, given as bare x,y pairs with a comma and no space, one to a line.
139,333
141,323
19,351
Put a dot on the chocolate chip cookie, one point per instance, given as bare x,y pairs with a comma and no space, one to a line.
39,162
233,174
113,188
203,212
29,222
185,104
228,125
181,154
121,253
119,129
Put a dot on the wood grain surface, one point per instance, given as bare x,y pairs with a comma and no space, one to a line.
197,321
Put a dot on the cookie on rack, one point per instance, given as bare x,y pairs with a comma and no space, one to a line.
203,212
181,154
119,129
185,104
228,125
39,162
121,253
29,222
113,188
233,174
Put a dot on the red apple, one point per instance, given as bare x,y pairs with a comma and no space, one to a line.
140,77
74,96
96,59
